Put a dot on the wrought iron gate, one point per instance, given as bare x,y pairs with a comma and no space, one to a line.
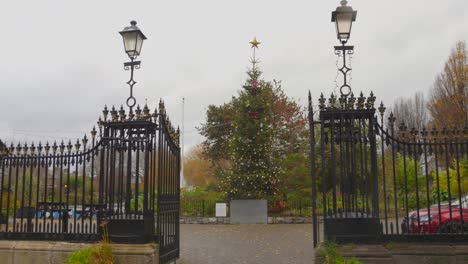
375,181
124,179
168,191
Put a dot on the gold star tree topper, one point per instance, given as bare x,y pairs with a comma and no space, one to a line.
255,43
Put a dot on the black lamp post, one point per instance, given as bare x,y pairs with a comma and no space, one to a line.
343,17
133,41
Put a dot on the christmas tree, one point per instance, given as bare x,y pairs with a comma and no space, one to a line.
253,175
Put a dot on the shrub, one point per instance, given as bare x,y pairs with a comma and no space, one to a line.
97,254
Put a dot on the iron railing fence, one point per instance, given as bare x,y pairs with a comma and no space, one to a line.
291,207
125,177
207,207
376,180
200,207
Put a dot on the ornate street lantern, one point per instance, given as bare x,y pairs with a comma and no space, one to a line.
343,17
133,40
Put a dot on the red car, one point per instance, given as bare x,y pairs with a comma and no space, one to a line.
438,221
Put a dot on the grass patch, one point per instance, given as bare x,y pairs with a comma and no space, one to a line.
331,255
390,245
99,253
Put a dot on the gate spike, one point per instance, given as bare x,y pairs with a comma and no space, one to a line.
155,115
114,114
99,123
62,147
161,107
342,101
371,101
424,132
322,102
47,148
146,112
39,148
138,112
351,101
178,135
25,149
69,146
33,149
382,109
105,113
54,147
93,133
332,100
122,114
311,110
12,148
77,145
403,128
391,119
361,101
84,140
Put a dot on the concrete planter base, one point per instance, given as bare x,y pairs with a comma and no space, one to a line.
47,252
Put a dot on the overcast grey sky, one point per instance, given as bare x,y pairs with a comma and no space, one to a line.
62,60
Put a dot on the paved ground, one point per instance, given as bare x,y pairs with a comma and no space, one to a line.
249,244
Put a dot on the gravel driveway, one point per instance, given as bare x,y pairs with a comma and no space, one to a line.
251,244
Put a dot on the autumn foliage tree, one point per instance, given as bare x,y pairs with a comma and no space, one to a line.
448,103
198,171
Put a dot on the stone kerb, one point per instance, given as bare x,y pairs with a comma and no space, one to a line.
402,253
226,220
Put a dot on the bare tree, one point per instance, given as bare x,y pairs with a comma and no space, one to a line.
412,111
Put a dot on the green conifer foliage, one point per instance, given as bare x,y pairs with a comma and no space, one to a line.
253,175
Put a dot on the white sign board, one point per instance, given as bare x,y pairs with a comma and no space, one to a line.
220,210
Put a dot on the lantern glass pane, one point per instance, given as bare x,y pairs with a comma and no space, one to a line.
130,43
343,25
139,43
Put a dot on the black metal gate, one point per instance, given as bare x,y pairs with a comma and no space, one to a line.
168,191
376,182
125,179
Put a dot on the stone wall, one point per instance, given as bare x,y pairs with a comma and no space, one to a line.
403,253
46,252
226,220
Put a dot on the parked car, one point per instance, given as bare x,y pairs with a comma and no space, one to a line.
25,212
57,214
449,219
